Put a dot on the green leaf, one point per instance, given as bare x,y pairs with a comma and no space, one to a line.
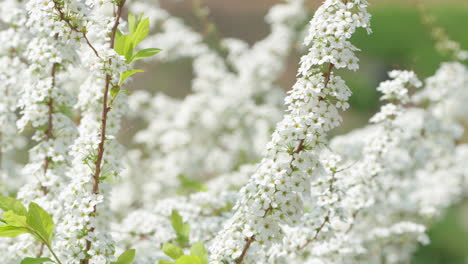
188,260
188,186
15,220
129,45
183,236
176,221
126,258
141,32
11,204
144,53
182,229
12,231
198,249
36,260
114,91
163,261
41,222
120,42
172,251
124,75
131,23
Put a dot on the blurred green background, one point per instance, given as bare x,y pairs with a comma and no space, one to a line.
399,41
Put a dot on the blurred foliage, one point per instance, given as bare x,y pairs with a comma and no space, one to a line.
400,41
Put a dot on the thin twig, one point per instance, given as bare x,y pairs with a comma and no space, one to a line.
105,111
74,28
248,243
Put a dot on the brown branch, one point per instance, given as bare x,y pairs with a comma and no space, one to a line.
41,251
248,242
50,125
105,111
318,230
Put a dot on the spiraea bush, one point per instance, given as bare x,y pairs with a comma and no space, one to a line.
235,172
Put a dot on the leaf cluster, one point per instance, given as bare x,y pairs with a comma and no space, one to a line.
34,221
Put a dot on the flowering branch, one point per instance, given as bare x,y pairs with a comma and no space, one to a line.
105,110
69,22
273,195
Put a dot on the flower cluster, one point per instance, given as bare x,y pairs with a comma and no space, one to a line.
212,167
227,119
273,195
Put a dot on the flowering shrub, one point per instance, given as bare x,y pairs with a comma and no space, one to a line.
227,174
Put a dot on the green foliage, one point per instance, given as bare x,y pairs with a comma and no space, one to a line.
172,251
137,31
11,204
18,220
127,74
125,45
41,221
198,254
188,260
182,229
12,231
198,249
188,186
144,53
34,221
36,260
126,258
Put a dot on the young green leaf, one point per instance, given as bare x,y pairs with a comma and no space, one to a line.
176,221
41,222
114,91
36,260
120,43
126,258
131,23
141,32
188,260
12,231
182,229
198,249
129,45
144,53
124,75
15,220
188,185
172,251
183,236
11,204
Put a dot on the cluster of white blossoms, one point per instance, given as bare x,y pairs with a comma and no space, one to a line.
227,119
69,163
274,195
365,197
